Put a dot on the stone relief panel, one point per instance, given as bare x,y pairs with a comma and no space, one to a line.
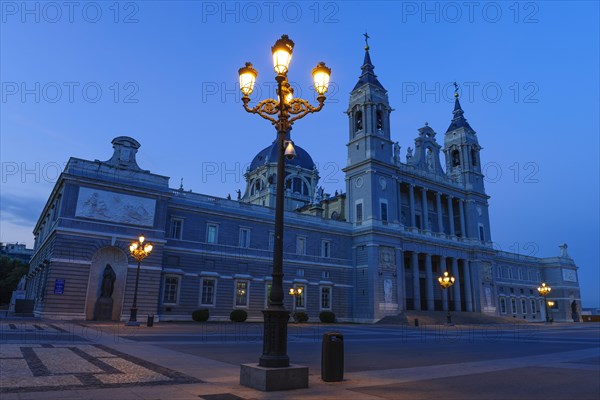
387,258
569,275
486,272
115,207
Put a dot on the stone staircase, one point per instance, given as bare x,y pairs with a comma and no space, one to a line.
439,318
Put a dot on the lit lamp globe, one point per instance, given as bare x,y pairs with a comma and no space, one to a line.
282,54
544,289
247,78
446,281
321,74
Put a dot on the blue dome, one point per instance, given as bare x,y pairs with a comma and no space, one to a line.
269,155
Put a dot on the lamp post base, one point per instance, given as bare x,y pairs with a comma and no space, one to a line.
275,339
133,318
272,379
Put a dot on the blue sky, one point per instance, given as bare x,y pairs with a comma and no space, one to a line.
166,72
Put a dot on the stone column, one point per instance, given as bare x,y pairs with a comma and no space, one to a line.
425,209
468,290
456,286
400,285
414,260
429,282
444,291
451,216
411,200
461,216
438,203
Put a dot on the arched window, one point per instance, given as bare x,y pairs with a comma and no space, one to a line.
379,119
358,121
474,157
455,158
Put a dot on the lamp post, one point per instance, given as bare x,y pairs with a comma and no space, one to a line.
544,290
139,250
282,113
445,282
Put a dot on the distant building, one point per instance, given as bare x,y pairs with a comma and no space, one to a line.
371,252
18,251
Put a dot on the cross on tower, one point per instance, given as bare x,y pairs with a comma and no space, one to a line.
366,35
455,89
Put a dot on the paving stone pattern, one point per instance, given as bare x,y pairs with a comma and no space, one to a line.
45,367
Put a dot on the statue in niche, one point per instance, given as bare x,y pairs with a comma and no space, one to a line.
108,282
429,157
387,290
104,305
488,296
397,148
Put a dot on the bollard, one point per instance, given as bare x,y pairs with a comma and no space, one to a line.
150,320
416,321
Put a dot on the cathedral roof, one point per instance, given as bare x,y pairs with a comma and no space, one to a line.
269,155
367,76
459,120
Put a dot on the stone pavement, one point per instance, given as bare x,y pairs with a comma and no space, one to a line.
63,360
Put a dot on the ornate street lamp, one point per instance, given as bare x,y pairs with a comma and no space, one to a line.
282,113
445,282
544,290
139,250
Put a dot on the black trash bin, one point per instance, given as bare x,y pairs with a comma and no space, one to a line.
150,320
332,357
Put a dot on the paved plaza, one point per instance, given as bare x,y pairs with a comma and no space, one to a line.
42,359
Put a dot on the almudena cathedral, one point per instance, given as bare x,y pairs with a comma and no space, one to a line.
374,251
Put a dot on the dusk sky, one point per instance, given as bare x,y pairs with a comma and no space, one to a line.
76,76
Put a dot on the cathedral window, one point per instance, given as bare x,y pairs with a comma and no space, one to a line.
325,298
502,305
474,157
244,237
176,228
384,212
212,231
379,119
359,213
171,289
325,248
358,121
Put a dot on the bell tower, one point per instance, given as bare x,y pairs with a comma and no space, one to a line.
463,164
462,151
370,170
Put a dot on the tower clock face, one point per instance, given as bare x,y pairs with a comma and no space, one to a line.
382,183
358,182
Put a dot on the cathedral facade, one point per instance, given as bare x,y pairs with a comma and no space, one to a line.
374,251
